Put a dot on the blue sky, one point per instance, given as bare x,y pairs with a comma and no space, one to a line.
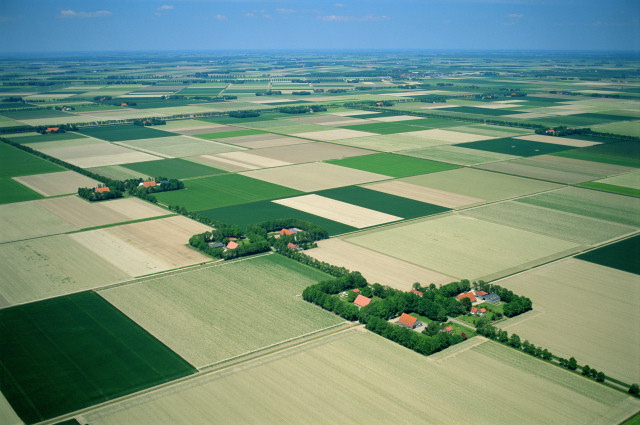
99,25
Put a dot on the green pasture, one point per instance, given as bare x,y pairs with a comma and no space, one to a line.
626,128
383,202
120,133
75,351
256,212
457,155
621,153
33,114
220,191
12,191
621,255
268,116
621,190
516,147
393,165
174,168
15,162
48,137
385,127
482,111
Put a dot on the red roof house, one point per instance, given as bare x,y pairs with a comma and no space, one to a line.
481,293
474,310
467,295
448,329
483,311
102,189
50,129
362,301
150,183
357,290
418,293
232,245
284,232
292,245
123,104
408,321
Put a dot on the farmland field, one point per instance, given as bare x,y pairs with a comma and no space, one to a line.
463,247
76,351
309,152
627,128
43,138
95,154
62,183
324,375
208,315
25,220
630,180
179,146
457,155
626,154
388,143
265,140
219,191
15,162
517,147
393,165
561,293
423,194
12,191
119,133
621,255
175,168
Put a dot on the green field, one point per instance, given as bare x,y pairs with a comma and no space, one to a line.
211,314
516,147
626,128
621,255
49,137
33,114
225,134
385,128
393,165
621,153
12,191
120,133
483,111
457,155
256,212
75,351
174,168
221,191
621,190
383,202
15,162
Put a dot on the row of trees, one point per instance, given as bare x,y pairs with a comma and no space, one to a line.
149,122
90,194
244,114
61,128
302,109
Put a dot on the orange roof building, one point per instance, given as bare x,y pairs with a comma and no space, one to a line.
474,310
150,183
481,293
483,311
292,245
448,329
467,295
418,293
50,129
362,301
357,290
102,189
408,321
287,232
232,245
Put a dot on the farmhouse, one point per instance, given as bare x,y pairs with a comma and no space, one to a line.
448,329
469,295
150,183
362,301
52,130
408,321
294,246
418,293
490,298
481,293
102,189
232,245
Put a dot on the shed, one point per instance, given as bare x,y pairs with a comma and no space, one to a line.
284,232
408,321
491,298
292,246
362,301
418,293
216,245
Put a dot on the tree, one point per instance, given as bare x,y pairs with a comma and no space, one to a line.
586,370
514,341
634,390
572,364
600,377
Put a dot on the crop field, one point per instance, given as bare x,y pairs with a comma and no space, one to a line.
561,293
389,143
64,143
621,255
334,134
577,143
265,140
175,168
626,128
120,133
61,183
32,114
211,314
15,162
13,191
631,180
342,212
25,220
490,130
75,351
457,155
181,125
570,227
117,172
220,191
240,161
50,266
626,154
314,176
179,146
621,190
96,154
516,147
463,247
383,202
232,133
590,203
146,247
386,127
40,138
480,184
309,152
374,266
447,137
324,375
393,165
423,194
556,168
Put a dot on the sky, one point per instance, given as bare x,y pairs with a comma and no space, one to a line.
178,25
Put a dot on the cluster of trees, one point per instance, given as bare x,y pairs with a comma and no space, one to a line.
515,304
61,128
248,245
311,231
302,109
13,99
301,93
303,258
149,122
337,91
269,93
244,114
90,194
430,99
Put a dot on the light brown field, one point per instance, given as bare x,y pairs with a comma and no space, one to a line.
356,377
146,247
25,220
98,154
336,134
221,163
558,140
310,152
50,266
424,194
179,146
314,176
449,137
52,184
374,266
339,211
582,310
264,141
395,118
246,160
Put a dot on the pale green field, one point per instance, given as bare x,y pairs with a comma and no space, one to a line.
6,122
480,184
7,414
491,130
582,310
117,172
211,314
179,146
590,203
574,228
357,377
69,143
626,180
25,220
626,128
389,142
50,266
179,124
463,247
458,155
290,127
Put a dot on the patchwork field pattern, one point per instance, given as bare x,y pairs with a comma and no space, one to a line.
13,191
208,315
324,375
626,154
561,292
76,351
96,154
119,133
516,147
458,155
175,168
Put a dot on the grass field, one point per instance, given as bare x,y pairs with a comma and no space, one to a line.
335,385
626,128
463,247
630,180
457,155
174,168
119,133
13,191
386,127
561,293
220,191
621,190
309,152
15,162
590,203
49,137
33,114
389,143
622,153
621,255
393,165
211,314
75,351
516,147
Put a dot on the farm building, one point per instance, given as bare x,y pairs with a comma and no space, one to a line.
408,321
357,290
362,301
102,189
418,293
481,293
469,295
150,183
475,311
293,246
448,329
52,130
232,245
216,245
490,298
286,232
